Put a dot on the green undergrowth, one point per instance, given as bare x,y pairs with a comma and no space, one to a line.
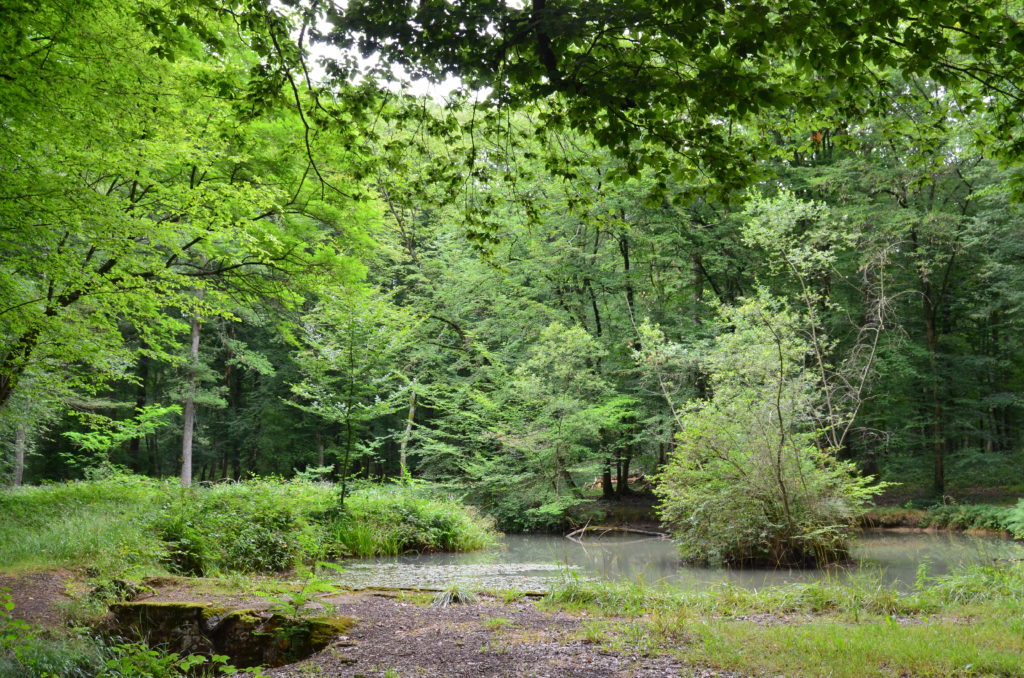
856,627
391,520
951,517
133,526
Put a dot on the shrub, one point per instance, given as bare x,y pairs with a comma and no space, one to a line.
116,525
968,517
256,526
390,520
1014,521
747,482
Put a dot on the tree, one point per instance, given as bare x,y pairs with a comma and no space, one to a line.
666,85
748,481
352,348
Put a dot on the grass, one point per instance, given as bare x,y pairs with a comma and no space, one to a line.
934,648
87,523
453,595
129,526
391,520
496,623
970,623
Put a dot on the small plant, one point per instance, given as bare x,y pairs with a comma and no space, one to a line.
496,623
300,603
592,632
453,595
137,660
511,595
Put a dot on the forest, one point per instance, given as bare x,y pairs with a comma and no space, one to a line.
288,284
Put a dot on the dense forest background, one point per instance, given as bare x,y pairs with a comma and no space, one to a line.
210,253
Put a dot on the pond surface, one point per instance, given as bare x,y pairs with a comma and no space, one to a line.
533,562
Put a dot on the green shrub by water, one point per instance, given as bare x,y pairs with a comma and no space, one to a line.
951,517
139,525
391,520
968,517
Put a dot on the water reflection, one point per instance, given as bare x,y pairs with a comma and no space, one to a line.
532,562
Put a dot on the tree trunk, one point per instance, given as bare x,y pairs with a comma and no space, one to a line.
622,486
189,412
20,446
402,466
135,444
319,439
607,492
938,436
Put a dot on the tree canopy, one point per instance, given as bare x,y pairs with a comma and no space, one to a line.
530,289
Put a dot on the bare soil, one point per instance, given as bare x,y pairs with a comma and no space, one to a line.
36,595
487,638
401,633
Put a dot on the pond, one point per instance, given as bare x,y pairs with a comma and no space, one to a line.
533,562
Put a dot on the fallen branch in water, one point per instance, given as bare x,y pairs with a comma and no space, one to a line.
602,530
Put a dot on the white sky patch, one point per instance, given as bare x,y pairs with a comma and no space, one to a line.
400,79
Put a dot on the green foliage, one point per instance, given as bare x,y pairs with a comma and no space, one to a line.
135,525
351,355
1014,520
748,482
28,653
257,526
459,290
968,517
391,520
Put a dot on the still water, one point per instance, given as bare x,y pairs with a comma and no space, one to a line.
532,562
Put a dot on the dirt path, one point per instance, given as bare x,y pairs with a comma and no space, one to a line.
488,638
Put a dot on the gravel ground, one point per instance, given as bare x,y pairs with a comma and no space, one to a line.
459,642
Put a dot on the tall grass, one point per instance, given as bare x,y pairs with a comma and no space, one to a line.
391,520
133,525
96,523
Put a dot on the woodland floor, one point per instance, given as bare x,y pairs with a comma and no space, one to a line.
401,635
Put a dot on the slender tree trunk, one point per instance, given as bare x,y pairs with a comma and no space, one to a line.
135,444
349,431
189,412
319,439
622,486
937,433
407,434
607,492
20,446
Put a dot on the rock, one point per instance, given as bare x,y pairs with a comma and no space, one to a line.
247,637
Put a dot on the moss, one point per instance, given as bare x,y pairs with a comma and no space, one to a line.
213,611
245,616
322,630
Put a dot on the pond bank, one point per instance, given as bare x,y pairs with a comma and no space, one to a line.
973,518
